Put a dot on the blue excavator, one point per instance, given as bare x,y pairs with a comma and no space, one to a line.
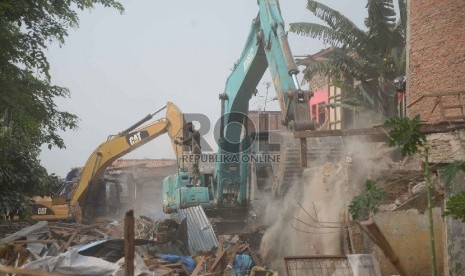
226,188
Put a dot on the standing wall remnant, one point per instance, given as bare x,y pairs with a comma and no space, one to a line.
436,64
435,51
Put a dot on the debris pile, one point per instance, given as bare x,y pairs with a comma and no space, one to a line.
162,247
65,247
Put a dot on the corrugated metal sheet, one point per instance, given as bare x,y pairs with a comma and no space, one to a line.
200,232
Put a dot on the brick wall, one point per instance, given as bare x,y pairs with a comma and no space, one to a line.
436,51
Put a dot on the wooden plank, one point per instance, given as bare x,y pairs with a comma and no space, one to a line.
232,256
26,272
373,134
442,127
177,264
243,248
129,243
432,95
199,266
34,241
255,259
218,259
375,234
68,243
379,133
100,233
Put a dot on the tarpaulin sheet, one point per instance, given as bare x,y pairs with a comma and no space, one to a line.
73,263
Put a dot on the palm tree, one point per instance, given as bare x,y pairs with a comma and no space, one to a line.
373,57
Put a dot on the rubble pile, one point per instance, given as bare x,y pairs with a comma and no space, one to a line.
161,248
406,188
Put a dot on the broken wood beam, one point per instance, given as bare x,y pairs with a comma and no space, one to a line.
379,133
100,233
129,243
34,241
371,228
177,264
373,134
233,254
199,266
68,243
243,248
218,259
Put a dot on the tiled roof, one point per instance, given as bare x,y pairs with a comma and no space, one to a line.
317,57
146,163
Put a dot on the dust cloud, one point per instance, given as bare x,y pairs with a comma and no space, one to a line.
129,190
312,218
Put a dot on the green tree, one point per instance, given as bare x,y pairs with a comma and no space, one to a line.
374,57
30,117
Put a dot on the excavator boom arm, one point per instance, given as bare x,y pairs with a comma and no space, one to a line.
123,143
266,47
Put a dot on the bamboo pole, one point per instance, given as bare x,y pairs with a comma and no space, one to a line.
434,271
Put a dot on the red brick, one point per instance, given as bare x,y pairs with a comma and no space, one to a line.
436,51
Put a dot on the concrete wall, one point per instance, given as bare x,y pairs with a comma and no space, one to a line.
436,51
446,147
408,233
455,234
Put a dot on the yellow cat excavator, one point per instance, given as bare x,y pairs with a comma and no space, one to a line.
78,200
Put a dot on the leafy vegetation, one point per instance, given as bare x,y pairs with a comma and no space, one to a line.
406,133
455,207
452,170
29,117
367,204
373,57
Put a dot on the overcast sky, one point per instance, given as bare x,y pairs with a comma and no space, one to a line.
120,68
